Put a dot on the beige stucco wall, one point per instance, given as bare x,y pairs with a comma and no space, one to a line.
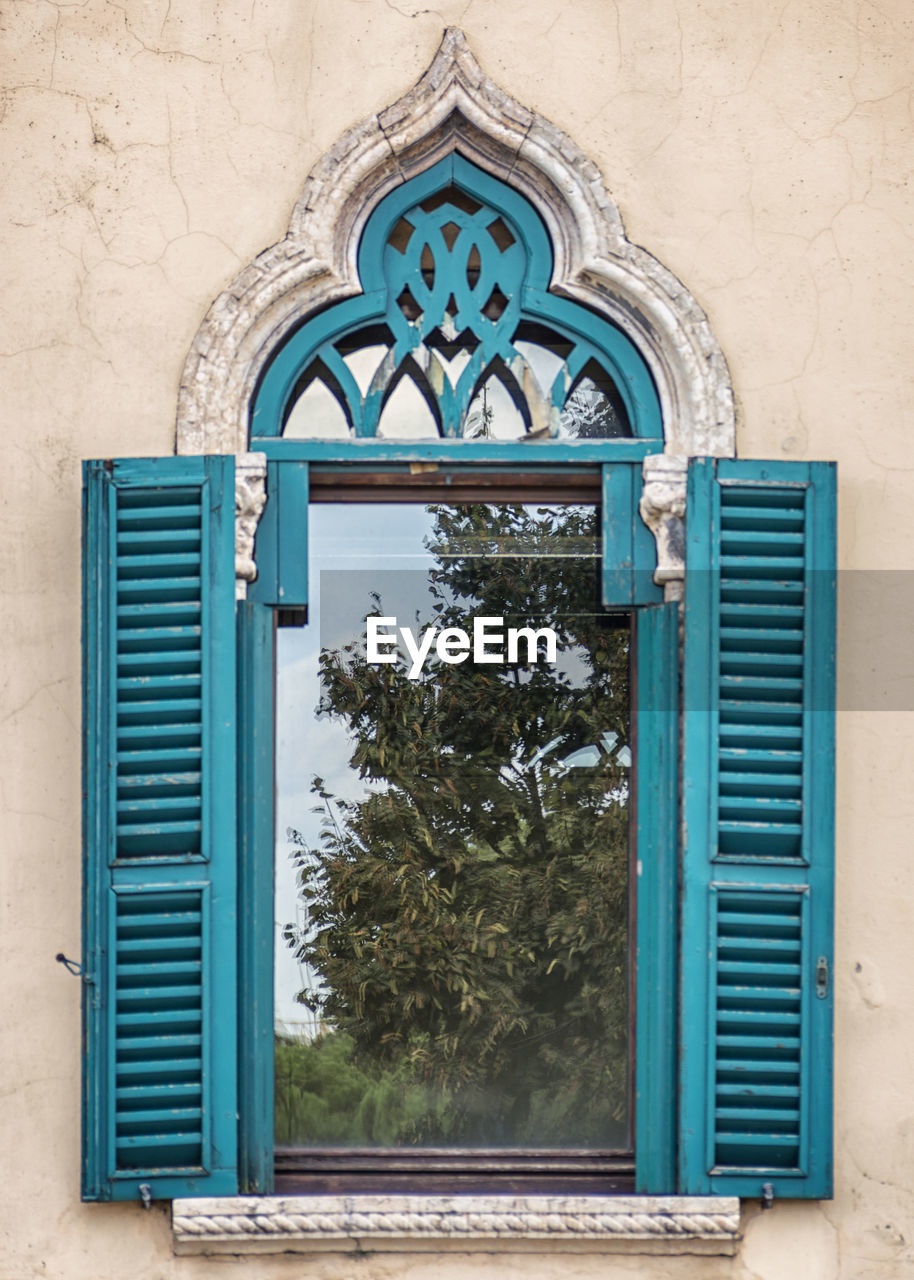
149,149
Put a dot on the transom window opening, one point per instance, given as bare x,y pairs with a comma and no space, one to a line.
456,336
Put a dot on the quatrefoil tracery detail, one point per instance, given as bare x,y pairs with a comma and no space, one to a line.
457,341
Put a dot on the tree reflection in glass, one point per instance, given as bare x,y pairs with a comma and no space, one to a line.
462,926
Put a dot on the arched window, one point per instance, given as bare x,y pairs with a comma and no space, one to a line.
455,334
429,327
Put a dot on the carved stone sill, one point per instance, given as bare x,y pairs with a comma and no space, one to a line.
457,1224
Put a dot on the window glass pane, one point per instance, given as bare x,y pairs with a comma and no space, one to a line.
594,409
455,355
364,364
316,415
452,885
496,411
407,414
544,362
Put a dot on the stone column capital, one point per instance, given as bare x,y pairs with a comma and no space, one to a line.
663,508
250,499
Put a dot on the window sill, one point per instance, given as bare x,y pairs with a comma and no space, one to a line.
492,1223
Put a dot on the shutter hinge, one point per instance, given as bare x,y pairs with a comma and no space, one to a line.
822,977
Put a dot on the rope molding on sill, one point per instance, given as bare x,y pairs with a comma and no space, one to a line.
236,1224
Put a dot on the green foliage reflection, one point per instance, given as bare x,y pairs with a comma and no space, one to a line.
468,918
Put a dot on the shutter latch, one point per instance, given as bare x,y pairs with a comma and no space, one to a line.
767,1195
76,969
822,977
145,1191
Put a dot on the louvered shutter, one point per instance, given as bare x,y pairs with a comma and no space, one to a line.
758,780
159,834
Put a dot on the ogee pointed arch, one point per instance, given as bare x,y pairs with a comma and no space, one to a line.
454,267
456,111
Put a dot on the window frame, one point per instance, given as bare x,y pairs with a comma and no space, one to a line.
654,867
747,1055
454,109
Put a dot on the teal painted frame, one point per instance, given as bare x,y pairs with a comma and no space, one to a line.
518,455
657,901
657,730
256,837
212,873
629,550
597,336
281,543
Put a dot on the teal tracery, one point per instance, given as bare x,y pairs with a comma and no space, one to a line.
456,314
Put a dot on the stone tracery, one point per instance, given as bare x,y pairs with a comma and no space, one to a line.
454,107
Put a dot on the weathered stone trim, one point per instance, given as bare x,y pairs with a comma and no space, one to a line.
250,499
372,1222
454,106
663,508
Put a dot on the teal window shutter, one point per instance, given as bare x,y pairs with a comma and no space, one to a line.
159,1107
758,784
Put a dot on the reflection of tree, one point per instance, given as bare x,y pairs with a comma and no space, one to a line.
478,425
592,413
324,1093
468,917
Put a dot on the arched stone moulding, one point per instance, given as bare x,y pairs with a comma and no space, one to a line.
455,106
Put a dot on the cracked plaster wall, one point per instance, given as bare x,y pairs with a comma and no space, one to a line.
149,149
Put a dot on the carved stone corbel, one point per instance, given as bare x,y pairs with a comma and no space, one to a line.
662,508
250,498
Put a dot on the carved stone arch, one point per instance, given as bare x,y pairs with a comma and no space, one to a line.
454,106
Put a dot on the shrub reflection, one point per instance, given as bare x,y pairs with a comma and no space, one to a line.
467,919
